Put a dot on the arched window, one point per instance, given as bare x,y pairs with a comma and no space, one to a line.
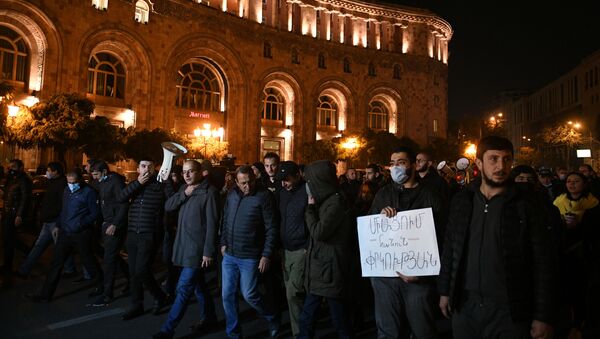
100,4
198,88
106,76
321,60
347,66
295,57
272,104
327,111
142,11
397,72
378,116
372,70
13,55
267,53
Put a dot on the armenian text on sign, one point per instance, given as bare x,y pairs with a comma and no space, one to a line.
405,244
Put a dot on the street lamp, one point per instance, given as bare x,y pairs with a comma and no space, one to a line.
471,151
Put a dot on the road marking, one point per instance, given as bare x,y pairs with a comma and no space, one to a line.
85,318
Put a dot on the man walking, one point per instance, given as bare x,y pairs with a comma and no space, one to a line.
194,248
294,236
114,227
146,208
247,242
73,231
498,275
406,304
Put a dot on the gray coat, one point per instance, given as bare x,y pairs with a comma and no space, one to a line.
197,224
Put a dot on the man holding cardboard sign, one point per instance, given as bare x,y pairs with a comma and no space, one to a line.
405,297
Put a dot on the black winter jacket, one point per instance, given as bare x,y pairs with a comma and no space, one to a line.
249,226
52,200
529,254
113,211
17,194
146,206
292,205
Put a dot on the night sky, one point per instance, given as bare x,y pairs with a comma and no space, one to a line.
501,45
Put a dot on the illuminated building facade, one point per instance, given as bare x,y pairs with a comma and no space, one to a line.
270,75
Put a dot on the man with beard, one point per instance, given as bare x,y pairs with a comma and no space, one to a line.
405,298
194,249
271,164
428,176
498,272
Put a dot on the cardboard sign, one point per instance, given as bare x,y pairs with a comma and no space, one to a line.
405,243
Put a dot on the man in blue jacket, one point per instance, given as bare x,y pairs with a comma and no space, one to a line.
73,231
247,241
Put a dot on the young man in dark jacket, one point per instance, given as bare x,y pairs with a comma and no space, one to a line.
406,298
194,249
248,236
73,230
429,177
147,199
114,225
49,212
293,200
17,199
499,265
329,261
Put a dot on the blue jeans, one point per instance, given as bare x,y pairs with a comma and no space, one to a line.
44,240
242,272
190,281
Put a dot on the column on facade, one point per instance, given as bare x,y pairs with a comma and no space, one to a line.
335,27
385,33
254,10
359,32
445,50
230,6
348,29
309,21
374,34
398,37
324,25
269,13
296,18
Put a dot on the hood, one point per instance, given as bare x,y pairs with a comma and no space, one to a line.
321,179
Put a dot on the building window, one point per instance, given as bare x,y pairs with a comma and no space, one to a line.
322,60
272,105
295,57
378,116
100,4
326,111
142,12
13,55
435,126
372,71
347,66
198,88
106,76
267,50
397,72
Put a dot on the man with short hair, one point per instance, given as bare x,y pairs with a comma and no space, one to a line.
248,236
271,162
73,230
403,298
429,176
351,186
498,275
373,174
114,226
17,199
294,236
194,248
147,198
49,212
593,181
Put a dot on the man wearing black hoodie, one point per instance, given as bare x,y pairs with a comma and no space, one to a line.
114,225
49,212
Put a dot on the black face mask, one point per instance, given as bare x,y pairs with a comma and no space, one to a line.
12,172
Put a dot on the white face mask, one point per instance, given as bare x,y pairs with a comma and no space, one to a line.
48,175
399,174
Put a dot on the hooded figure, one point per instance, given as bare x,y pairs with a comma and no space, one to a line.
329,261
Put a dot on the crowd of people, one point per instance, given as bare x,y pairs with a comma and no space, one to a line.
519,247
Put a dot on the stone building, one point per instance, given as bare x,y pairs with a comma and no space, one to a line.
264,75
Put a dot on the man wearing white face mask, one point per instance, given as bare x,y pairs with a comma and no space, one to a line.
406,298
73,231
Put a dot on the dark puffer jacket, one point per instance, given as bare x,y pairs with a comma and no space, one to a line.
147,205
292,205
249,228
330,259
528,254
17,194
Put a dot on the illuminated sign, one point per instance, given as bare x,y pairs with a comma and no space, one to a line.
199,115
584,153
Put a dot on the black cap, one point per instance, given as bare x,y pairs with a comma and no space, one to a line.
287,169
545,172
